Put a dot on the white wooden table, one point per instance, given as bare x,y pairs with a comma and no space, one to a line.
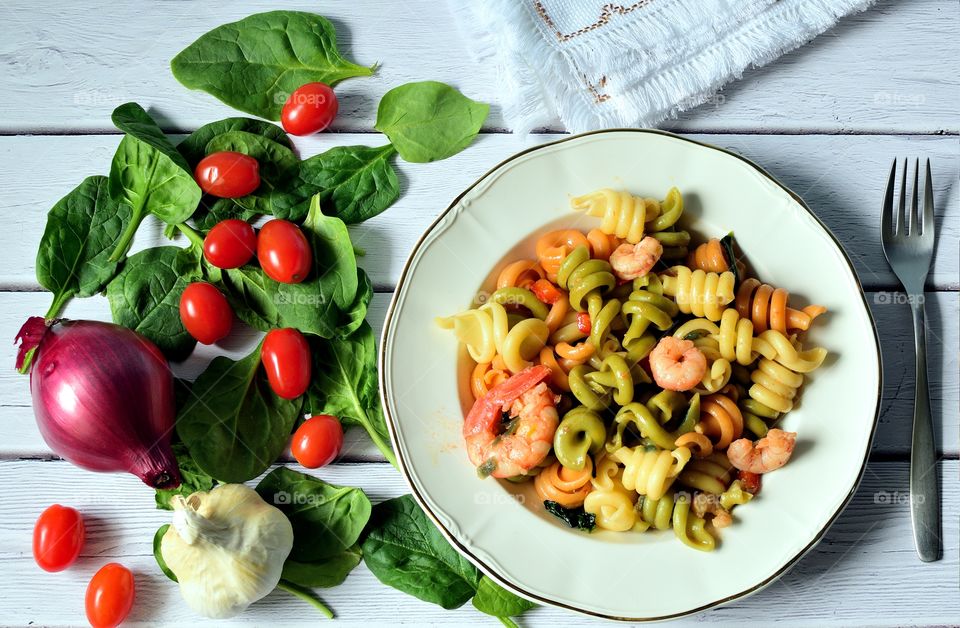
826,120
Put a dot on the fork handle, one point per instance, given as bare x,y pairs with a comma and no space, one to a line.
924,477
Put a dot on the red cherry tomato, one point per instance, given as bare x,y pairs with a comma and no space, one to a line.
546,292
227,174
309,109
57,538
317,441
286,357
205,312
750,482
230,244
284,252
110,596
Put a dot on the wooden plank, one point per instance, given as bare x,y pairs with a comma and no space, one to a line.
68,66
842,179
893,321
866,560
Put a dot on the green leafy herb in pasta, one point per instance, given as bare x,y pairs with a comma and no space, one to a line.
573,517
254,64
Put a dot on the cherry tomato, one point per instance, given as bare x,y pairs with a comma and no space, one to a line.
227,174
230,244
110,596
205,312
317,441
750,482
284,252
57,538
545,291
286,357
309,109
583,322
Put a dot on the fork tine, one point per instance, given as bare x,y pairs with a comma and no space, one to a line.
902,204
886,214
914,199
928,221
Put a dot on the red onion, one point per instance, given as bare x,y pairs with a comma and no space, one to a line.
103,397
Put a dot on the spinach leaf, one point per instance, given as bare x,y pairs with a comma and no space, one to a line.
145,296
82,230
324,573
355,182
194,146
727,242
256,63
352,317
573,517
265,304
234,426
279,167
493,599
345,385
429,121
220,209
327,520
158,555
335,265
405,551
148,174
193,479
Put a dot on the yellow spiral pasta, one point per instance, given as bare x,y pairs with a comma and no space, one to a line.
523,343
697,292
609,501
621,214
774,385
567,487
651,472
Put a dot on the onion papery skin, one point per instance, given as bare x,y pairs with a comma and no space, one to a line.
103,398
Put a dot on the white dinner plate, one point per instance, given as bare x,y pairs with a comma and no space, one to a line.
501,527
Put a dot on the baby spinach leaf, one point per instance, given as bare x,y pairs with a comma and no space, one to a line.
266,304
158,555
352,317
429,121
327,520
345,385
355,182
493,599
194,146
148,174
82,230
193,479
234,426
256,63
573,517
405,551
279,167
335,265
207,216
324,573
145,296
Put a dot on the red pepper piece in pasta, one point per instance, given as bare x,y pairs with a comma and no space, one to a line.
583,322
750,481
545,291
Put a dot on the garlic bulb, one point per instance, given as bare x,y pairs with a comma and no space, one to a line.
227,548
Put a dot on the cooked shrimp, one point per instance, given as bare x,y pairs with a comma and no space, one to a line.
769,453
677,364
630,261
708,504
530,437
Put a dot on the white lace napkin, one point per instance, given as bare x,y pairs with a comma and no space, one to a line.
597,63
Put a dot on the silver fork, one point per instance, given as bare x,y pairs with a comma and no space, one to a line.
908,246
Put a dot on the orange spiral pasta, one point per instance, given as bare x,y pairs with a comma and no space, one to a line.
554,246
698,444
484,377
602,244
563,485
767,308
558,312
709,257
520,274
720,420
558,377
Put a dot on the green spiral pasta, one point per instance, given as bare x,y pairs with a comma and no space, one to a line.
734,496
649,420
523,297
581,432
585,279
643,309
710,475
664,227
673,511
